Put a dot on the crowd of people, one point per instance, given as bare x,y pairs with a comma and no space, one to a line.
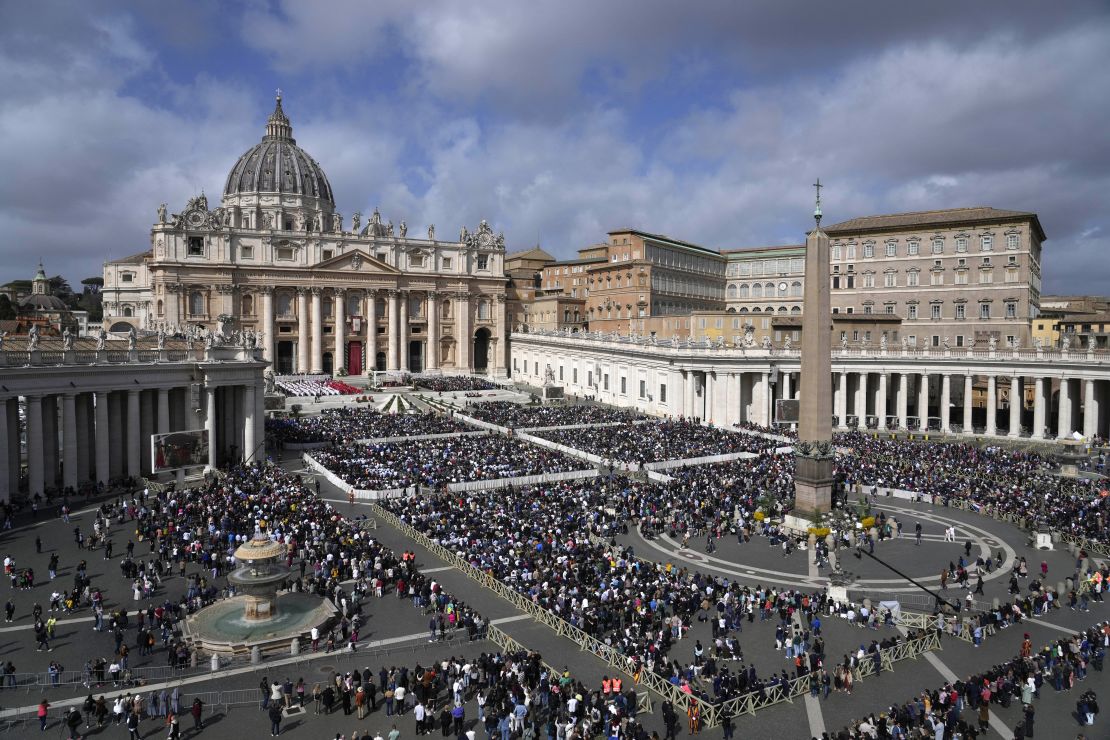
449,383
344,425
962,708
313,386
438,462
519,416
670,439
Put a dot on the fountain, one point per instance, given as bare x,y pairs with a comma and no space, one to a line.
257,616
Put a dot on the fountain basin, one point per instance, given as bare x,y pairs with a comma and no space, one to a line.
224,627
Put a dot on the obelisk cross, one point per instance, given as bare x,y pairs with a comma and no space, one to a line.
817,210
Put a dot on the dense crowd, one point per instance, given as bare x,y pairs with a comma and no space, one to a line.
295,385
962,708
346,425
519,416
448,383
438,462
671,439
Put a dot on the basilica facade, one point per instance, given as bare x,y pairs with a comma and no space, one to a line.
326,296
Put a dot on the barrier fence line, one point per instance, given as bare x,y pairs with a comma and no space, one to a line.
417,437
524,480
711,714
707,460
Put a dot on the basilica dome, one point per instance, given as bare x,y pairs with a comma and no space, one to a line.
277,165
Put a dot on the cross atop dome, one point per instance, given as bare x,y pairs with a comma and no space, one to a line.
278,126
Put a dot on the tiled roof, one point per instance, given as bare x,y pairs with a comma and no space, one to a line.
135,259
768,248
535,253
949,216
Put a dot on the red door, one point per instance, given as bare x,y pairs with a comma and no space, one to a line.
354,358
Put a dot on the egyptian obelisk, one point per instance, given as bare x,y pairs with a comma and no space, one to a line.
813,477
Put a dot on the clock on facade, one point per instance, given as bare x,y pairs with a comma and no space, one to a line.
782,287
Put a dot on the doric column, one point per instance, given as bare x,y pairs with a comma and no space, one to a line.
1090,409
147,400
1063,421
946,403
394,329
259,422
267,322
317,363
923,401
211,423
432,353
133,452
708,395
303,343
69,440
85,434
249,441
903,400
842,400
968,379
339,299
5,453
1015,407
103,436
861,402
50,440
162,422
1038,408
785,390
764,398
403,333
463,339
691,394
15,462
35,462
992,405
371,331
880,406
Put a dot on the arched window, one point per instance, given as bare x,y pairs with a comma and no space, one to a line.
731,291
196,303
743,309
757,291
416,306
756,310
782,309
127,311
744,290
326,306
446,310
796,289
354,304
379,308
796,309
782,290
248,305
768,289
161,308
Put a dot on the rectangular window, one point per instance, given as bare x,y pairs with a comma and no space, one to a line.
891,249
934,311
284,253
986,276
662,393
890,309
446,263
911,312
326,254
416,260
196,246
890,280
961,244
483,262
984,310
836,253
936,340
851,251
938,246
867,309
1011,310
246,252
380,256
961,278
643,388
127,277
869,280
851,281
560,372
605,381
986,243
936,278
574,375
913,248
624,385
1012,241
959,340
797,265
961,311
868,251
911,279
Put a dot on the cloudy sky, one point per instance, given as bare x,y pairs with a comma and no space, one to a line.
559,121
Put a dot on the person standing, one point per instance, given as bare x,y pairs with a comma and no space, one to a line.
275,720
197,711
43,706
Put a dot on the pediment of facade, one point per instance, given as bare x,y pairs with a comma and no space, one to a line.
355,261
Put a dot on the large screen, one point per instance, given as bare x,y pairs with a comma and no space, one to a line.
176,450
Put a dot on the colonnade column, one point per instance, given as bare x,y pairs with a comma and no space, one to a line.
463,339
1063,422
162,417
69,440
394,330
880,405
1090,409
842,401
992,405
211,423
431,356
35,461
785,390
691,394
403,333
1016,402
133,451
923,402
371,332
84,435
967,404
339,359
1038,408
268,322
946,403
302,330
317,331
709,394
903,400
249,441
102,437
6,490
861,402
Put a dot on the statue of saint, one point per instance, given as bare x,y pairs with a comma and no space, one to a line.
131,338
431,232
337,222
101,339
33,338
403,229
161,338
992,343
269,381
67,339
356,221
267,221
162,213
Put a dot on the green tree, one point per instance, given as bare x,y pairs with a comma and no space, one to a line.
7,310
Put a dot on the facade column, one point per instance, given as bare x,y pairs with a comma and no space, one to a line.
147,401
35,461
339,303
992,405
394,331
946,403
211,423
842,400
880,405
500,338
50,440
923,402
403,333
6,490
861,402
302,331
785,378
1063,409
709,394
1038,408
133,452
103,437
1016,402
431,356
1090,409
463,340
162,420
268,323
85,433
968,380
903,400
69,441
249,442
317,362
371,332
259,423
688,394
